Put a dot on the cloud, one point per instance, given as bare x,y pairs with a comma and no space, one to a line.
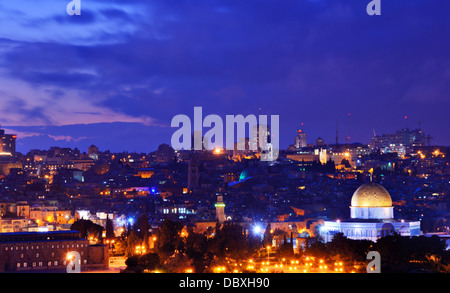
47,21
23,104
67,138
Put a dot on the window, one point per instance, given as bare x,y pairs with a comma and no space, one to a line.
21,255
37,255
18,264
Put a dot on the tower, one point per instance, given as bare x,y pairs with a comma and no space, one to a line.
300,139
193,174
220,209
93,152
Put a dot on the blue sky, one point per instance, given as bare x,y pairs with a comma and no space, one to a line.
117,74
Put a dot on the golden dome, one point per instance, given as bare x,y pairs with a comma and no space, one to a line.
371,195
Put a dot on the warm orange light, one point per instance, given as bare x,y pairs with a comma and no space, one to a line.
70,256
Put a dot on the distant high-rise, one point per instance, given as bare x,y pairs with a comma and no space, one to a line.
404,137
260,137
7,145
300,139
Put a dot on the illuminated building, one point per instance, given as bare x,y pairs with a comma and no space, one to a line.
50,214
404,137
30,251
7,146
93,152
300,139
146,172
371,217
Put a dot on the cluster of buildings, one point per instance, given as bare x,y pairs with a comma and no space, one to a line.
304,193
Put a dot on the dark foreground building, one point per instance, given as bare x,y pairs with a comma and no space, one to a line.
29,251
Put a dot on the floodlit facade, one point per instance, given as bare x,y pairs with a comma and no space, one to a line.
371,217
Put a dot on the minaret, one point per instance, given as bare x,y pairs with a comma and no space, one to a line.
220,209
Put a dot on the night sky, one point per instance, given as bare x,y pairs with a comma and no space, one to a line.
116,75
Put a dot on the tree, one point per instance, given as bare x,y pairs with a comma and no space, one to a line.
267,239
168,237
229,241
286,249
346,163
120,247
109,229
133,265
132,241
88,229
196,249
150,261
141,227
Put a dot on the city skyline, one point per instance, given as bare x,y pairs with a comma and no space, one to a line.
126,69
